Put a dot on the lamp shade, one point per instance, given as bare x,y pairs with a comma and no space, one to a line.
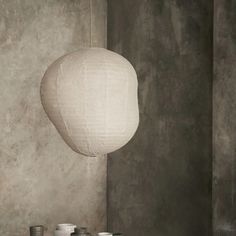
91,98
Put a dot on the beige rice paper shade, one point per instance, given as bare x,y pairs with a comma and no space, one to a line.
91,98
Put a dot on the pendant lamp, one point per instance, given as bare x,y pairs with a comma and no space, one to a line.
91,98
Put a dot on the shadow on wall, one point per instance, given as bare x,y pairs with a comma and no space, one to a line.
160,182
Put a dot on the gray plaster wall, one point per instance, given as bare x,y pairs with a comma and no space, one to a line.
160,183
42,181
224,117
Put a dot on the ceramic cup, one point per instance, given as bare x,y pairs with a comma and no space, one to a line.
36,230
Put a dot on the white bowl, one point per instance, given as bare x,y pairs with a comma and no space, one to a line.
104,234
66,227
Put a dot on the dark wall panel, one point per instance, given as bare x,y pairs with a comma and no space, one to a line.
160,183
224,118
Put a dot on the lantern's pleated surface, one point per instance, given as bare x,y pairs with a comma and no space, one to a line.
91,98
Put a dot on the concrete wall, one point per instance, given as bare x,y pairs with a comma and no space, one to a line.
42,181
224,118
160,183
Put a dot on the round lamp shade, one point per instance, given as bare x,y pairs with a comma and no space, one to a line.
91,98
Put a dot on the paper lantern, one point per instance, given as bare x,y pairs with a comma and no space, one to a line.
91,98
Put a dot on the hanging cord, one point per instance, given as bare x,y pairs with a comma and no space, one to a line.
91,21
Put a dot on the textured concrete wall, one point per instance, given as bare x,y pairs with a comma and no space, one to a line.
42,181
160,183
224,118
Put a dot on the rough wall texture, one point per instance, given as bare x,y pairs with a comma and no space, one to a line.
224,118
160,183
42,181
